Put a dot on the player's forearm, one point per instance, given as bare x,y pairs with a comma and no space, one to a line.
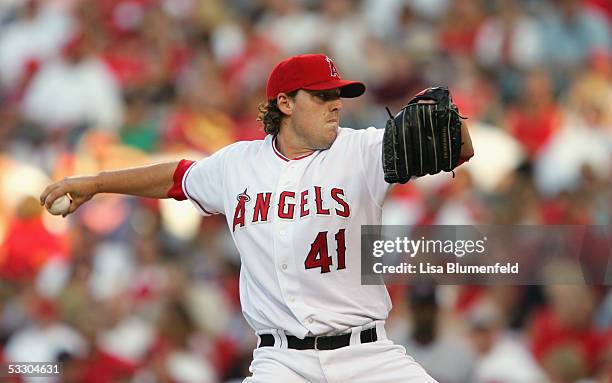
151,181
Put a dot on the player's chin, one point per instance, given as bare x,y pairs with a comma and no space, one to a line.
329,137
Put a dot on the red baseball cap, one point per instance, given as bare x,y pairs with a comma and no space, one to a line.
310,72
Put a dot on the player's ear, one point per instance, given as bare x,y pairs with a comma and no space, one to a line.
285,103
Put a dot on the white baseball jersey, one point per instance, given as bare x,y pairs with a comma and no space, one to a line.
297,225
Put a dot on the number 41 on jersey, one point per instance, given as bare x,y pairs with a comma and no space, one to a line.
318,256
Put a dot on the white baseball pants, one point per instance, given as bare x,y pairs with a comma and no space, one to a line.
377,362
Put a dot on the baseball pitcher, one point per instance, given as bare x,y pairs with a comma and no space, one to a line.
294,204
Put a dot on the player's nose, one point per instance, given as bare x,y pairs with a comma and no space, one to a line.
336,104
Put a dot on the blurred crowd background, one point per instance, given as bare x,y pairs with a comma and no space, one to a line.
137,290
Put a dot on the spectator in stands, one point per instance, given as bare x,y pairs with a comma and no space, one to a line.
83,91
447,358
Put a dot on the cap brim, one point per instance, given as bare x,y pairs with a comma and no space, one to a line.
348,89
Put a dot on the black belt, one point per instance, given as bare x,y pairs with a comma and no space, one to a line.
319,342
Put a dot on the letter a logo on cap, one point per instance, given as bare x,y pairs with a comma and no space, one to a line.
332,68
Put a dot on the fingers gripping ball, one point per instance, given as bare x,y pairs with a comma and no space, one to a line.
61,205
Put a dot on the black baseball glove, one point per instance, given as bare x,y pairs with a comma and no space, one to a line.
423,138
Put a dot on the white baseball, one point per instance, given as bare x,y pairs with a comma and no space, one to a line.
60,206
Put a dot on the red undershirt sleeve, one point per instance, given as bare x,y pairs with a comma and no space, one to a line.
176,191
